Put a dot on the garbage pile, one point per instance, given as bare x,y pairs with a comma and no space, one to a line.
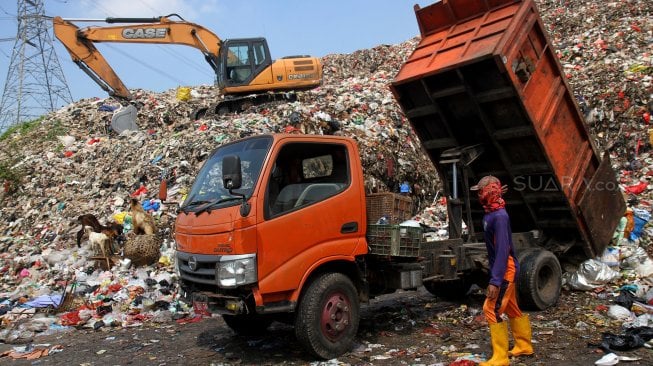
74,162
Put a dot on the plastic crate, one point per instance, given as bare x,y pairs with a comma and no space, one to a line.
393,205
394,240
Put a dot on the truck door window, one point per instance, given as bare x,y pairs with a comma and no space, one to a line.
300,179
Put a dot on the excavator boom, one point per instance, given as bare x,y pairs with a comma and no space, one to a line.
160,30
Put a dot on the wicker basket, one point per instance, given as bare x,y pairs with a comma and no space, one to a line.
143,249
392,205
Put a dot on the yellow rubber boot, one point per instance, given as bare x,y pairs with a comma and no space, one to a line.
521,331
499,334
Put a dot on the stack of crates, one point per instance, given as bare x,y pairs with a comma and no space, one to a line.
396,207
394,240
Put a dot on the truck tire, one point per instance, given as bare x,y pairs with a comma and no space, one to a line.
248,324
328,316
540,279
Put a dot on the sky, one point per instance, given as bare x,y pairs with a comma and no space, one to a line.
291,27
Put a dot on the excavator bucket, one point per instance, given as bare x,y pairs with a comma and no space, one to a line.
124,119
446,13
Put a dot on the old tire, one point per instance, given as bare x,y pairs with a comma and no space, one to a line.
540,279
248,324
198,113
456,289
222,109
448,290
328,316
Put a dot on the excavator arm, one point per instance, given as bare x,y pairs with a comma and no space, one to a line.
159,30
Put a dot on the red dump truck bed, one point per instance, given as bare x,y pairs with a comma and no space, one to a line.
484,73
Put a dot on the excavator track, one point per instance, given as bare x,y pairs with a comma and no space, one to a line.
240,104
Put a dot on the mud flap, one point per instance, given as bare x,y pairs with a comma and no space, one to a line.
601,207
124,119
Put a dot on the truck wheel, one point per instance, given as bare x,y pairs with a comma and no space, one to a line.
328,315
248,324
540,279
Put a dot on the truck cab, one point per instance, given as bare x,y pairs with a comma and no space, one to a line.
269,216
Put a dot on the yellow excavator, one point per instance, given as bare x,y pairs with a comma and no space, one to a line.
245,72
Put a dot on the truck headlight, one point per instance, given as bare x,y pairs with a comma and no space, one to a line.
236,270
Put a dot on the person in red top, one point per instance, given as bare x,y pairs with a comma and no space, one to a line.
504,268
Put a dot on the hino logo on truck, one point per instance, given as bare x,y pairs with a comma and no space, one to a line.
135,33
300,76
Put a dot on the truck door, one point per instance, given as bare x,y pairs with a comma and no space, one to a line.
311,210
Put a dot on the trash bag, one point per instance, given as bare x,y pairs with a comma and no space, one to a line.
591,274
124,119
640,218
183,94
610,256
626,299
633,338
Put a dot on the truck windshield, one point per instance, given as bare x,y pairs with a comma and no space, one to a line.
208,186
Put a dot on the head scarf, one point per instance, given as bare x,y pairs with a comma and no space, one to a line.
490,197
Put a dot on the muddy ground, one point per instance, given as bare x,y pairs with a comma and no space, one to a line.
410,328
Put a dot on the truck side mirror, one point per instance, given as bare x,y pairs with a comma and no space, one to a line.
231,175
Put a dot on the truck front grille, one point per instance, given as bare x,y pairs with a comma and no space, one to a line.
204,271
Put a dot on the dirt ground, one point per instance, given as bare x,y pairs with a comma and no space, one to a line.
410,328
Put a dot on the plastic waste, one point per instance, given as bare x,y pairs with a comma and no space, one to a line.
124,119
591,274
641,217
620,313
610,256
626,299
632,339
183,94
608,360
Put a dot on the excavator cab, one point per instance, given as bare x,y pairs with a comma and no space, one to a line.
241,61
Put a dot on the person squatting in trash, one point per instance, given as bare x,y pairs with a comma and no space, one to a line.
501,297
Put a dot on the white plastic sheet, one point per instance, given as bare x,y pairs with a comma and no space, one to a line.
590,275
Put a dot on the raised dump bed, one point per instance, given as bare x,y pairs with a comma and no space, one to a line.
485,87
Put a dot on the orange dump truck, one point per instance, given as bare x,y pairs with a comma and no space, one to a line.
277,227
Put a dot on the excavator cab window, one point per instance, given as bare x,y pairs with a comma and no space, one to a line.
259,53
239,67
243,60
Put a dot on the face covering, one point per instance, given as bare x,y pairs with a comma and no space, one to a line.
490,197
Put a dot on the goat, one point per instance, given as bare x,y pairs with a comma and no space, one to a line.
142,222
113,230
100,241
103,241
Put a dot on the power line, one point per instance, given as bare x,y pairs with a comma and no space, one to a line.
187,61
6,12
151,8
150,67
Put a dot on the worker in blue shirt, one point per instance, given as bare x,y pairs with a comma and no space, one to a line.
501,297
